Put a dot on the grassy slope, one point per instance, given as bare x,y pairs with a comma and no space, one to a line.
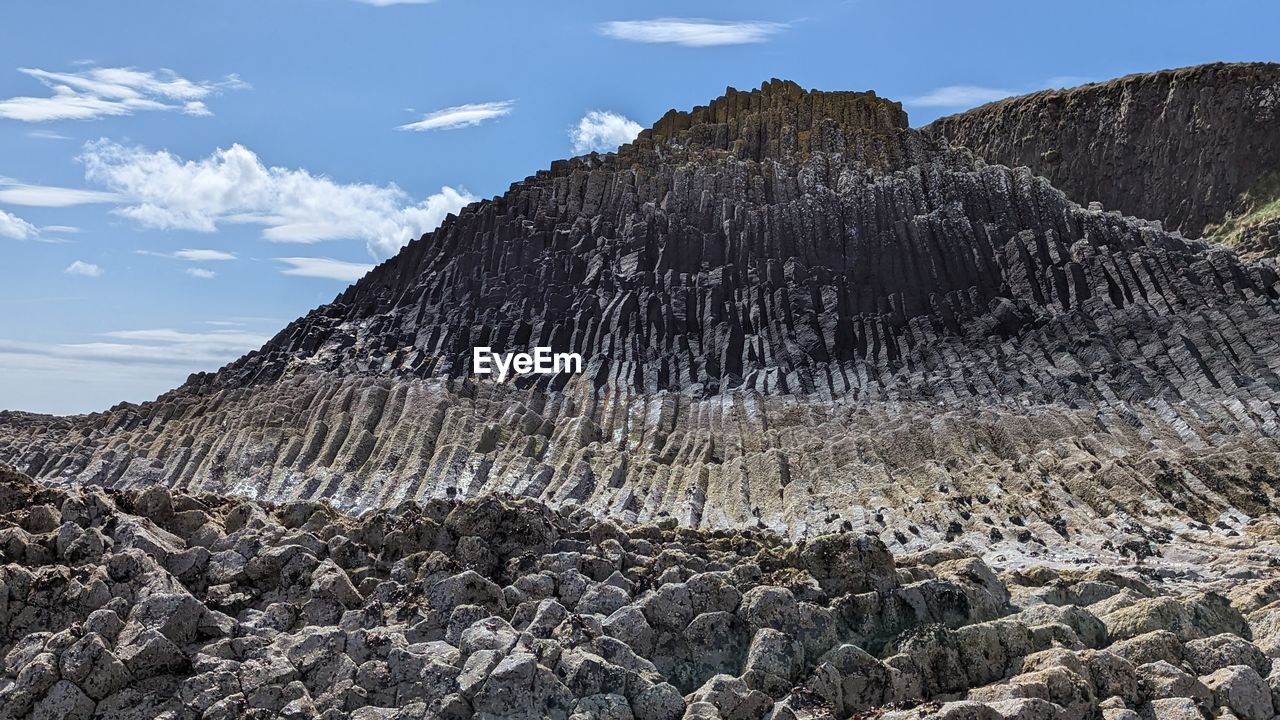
1259,204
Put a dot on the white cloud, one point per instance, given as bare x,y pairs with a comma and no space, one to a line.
102,92
133,365
960,96
46,196
324,268
691,32
603,132
409,223
191,255
159,346
202,273
461,116
204,255
46,135
968,96
70,229
167,335
80,267
233,186
15,228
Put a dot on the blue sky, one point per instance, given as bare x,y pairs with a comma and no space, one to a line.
179,180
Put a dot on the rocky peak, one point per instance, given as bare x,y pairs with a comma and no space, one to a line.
779,120
779,240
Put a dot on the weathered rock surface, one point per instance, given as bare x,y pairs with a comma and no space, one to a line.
1178,146
796,313
214,607
867,423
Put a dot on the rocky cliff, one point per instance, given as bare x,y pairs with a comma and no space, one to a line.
797,313
868,425
1179,146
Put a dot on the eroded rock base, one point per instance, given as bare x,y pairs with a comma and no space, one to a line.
154,604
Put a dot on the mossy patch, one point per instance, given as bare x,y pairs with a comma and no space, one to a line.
1258,205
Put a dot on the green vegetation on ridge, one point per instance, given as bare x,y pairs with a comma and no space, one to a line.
1258,205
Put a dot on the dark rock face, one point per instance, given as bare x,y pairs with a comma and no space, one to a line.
743,244
1179,146
796,313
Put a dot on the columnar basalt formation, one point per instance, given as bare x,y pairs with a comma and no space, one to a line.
868,423
1178,146
797,313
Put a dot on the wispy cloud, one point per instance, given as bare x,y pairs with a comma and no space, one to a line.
93,375
191,255
15,228
967,96
162,346
84,269
603,132
68,229
12,193
168,335
960,96
101,92
46,135
204,255
461,116
324,268
233,186
692,32
202,273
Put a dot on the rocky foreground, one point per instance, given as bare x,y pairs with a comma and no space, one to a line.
154,604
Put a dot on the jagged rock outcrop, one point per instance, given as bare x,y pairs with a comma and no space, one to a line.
797,313
1178,146
154,604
